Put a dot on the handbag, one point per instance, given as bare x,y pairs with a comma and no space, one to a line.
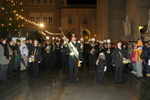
31,59
125,61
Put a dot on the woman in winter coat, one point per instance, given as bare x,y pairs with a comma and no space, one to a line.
117,57
36,54
4,59
133,60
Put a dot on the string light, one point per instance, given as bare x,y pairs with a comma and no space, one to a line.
18,16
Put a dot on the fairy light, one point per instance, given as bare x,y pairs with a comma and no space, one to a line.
18,16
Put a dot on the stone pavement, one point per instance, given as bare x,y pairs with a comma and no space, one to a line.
54,85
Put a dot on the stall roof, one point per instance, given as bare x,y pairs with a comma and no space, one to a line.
23,33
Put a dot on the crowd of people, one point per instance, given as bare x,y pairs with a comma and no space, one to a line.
98,57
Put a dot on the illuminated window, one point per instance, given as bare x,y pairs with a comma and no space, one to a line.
69,20
85,20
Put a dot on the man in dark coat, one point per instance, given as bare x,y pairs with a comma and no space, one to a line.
74,56
64,58
117,57
93,54
48,55
108,56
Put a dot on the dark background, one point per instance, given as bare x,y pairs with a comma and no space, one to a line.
81,1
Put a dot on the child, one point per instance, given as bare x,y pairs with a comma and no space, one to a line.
16,59
101,68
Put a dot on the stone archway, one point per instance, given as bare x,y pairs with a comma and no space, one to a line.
86,34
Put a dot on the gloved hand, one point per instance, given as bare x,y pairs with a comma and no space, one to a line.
80,61
71,53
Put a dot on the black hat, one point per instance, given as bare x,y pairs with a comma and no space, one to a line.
17,40
73,35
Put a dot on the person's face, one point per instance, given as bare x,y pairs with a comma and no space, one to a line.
11,43
73,38
30,41
48,42
18,43
119,44
124,46
108,45
4,41
35,42
27,41
92,44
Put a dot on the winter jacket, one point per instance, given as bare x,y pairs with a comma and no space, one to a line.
138,50
117,58
132,56
3,59
101,65
24,49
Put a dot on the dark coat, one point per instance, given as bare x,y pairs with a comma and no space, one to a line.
78,46
95,55
37,56
101,65
29,46
116,57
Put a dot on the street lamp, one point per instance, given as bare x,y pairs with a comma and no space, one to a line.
41,25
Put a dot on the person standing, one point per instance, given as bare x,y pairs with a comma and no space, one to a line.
138,51
36,54
29,46
101,68
11,65
4,59
48,54
74,57
117,57
24,54
64,57
108,57
133,59
93,54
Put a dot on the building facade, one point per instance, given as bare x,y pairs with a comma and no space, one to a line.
114,12
46,12
79,18
102,21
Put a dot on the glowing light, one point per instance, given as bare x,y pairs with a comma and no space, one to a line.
141,27
41,25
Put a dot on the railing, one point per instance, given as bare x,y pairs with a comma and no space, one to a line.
79,6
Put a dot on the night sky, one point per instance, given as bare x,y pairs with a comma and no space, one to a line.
81,1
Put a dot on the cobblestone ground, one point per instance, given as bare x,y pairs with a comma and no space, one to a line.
54,85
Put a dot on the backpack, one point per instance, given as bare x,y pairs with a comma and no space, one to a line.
144,53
